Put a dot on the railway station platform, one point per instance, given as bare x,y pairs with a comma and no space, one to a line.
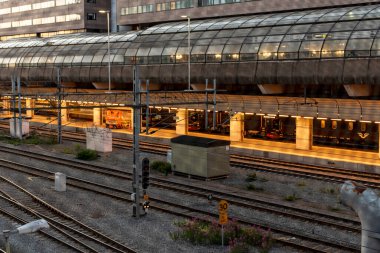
332,157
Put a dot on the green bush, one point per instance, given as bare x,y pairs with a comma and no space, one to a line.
239,238
252,187
251,177
160,166
291,197
87,154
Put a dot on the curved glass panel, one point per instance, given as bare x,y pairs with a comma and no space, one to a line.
255,20
293,18
268,51
241,32
318,28
182,55
224,34
214,53
375,50
345,26
333,48
357,13
279,30
358,47
236,40
375,13
313,16
368,25
310,49
237,22
363,34
208,34
294,37
299,29
335,15
231,52
288,50
198,54
273,19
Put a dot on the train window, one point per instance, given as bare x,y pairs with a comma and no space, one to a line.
350,126
323,123
334,124
363,126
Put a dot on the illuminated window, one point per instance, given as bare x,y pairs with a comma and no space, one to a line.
323,123
334,124
363,126
350,126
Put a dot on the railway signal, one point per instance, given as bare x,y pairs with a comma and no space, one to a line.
146,206
145,173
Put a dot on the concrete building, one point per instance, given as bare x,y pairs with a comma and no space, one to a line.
46,18
143,14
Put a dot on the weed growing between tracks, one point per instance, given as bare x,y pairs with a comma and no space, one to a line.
31,139
239,239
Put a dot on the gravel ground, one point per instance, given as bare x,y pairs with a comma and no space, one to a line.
151,233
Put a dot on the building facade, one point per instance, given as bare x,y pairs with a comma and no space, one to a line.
45,18
144,13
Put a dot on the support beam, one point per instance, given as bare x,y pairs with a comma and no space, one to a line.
237,127
97,116
29,103
182,124
358,90
64,112
304,133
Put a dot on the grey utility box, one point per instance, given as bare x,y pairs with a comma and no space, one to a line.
200,157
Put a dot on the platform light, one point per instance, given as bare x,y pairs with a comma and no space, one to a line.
350,120
272,115
341,120
260,114
249,113
322,118
366,121
295,116
377,122
307,117
284,116
269,117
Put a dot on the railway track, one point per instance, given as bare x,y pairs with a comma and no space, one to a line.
23,206
282,234
334,175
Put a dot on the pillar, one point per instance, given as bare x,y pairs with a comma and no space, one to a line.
64,112
237,127
182,125
6,106
379,139
304,133
29,104
97,116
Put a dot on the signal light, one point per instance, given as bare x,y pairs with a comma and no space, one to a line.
146,205
145,173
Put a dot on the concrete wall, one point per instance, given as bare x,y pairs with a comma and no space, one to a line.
304,133
99,139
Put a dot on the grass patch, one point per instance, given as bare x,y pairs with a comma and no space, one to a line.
301,184
160,166
252,187
238,238
251,177
328,190
31,139
291,197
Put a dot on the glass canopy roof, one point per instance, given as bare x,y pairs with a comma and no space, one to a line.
346,32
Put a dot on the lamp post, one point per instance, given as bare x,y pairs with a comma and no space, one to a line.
108,42
188,49
30,227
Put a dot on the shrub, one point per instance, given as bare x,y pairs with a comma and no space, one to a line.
251,177
160,166
87,154
239,238
291,197
252,187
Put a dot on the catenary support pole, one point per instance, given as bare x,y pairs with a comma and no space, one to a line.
19,106
136,133
147,115
59,140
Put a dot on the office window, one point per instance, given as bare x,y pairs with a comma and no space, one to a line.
91,1
91,16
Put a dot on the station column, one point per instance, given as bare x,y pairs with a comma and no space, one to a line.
29,104
182,125
6,106
237,127
97,116
304,133
64,112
